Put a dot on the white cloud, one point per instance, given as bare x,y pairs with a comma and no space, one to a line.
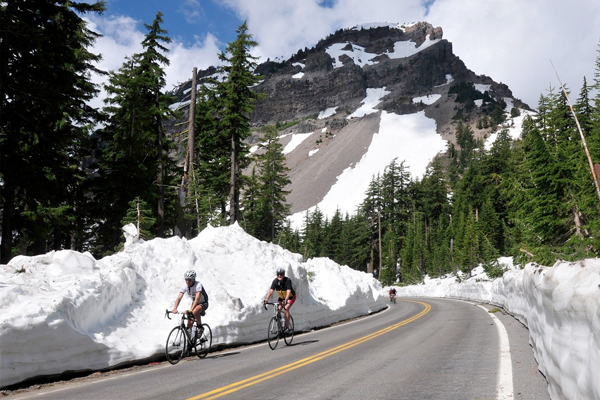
122,38
513,41
192,11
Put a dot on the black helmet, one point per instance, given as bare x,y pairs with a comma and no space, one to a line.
280,271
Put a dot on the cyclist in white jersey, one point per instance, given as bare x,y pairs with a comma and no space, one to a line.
193,289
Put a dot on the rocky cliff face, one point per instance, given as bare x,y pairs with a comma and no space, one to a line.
323,86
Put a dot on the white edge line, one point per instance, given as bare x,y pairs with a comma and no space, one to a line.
505,382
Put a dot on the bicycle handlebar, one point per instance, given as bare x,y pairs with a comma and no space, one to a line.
187,314
267,303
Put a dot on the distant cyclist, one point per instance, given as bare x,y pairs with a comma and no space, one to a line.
287,296
196,292
392,293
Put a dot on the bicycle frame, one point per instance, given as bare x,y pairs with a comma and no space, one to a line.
277,324
180,343
184,316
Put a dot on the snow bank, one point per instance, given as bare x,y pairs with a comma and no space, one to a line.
66,311
561,307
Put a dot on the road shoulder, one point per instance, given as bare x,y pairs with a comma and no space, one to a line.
528,382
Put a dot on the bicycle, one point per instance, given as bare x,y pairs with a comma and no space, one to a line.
180,342
393,298
276,327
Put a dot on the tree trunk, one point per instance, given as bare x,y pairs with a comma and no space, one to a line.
161,188
233,191
8,208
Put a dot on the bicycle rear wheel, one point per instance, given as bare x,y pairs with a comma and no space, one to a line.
204,342
273,334
176,345
290,336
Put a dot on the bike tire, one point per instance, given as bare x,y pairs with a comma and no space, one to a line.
176,345
204,342
290,336
273,334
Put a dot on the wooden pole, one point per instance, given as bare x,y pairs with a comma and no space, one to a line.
379,224
587,152
189,154
192,121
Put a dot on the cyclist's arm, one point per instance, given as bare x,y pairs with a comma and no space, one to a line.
177,303
269,295
288,294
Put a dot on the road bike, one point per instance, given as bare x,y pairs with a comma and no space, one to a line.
276,326
180,341
393,298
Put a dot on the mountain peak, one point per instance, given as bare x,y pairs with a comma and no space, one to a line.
363,81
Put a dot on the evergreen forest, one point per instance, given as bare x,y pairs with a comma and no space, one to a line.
71,176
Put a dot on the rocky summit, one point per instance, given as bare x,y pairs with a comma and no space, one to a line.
324,93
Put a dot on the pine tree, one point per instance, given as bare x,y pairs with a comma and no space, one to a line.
134,160
271,193
371,209
433,187
45,83
141,216
289,238
359,232
583,109
333,237
237,104
252,212
312,235
211,158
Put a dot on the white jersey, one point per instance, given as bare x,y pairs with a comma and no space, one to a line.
192,290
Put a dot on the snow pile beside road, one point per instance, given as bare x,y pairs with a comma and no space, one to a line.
66,311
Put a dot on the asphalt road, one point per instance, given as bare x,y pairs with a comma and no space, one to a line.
417,349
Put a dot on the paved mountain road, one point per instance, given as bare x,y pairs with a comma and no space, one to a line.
417,349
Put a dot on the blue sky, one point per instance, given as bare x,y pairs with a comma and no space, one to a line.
184,19
512,41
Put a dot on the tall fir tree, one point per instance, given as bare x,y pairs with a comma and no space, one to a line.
134,161
45,66
237,102
271,208
312,234
212,156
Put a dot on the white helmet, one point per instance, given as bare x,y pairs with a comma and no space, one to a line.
191,274
280,271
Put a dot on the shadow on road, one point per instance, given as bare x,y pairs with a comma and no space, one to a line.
304,343
224,355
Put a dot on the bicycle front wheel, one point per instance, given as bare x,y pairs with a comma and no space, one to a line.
273,334
288,337
176,345
204,341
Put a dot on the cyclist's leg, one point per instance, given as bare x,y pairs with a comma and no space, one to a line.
197,311
286,309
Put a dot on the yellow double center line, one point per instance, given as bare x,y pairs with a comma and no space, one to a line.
234,387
